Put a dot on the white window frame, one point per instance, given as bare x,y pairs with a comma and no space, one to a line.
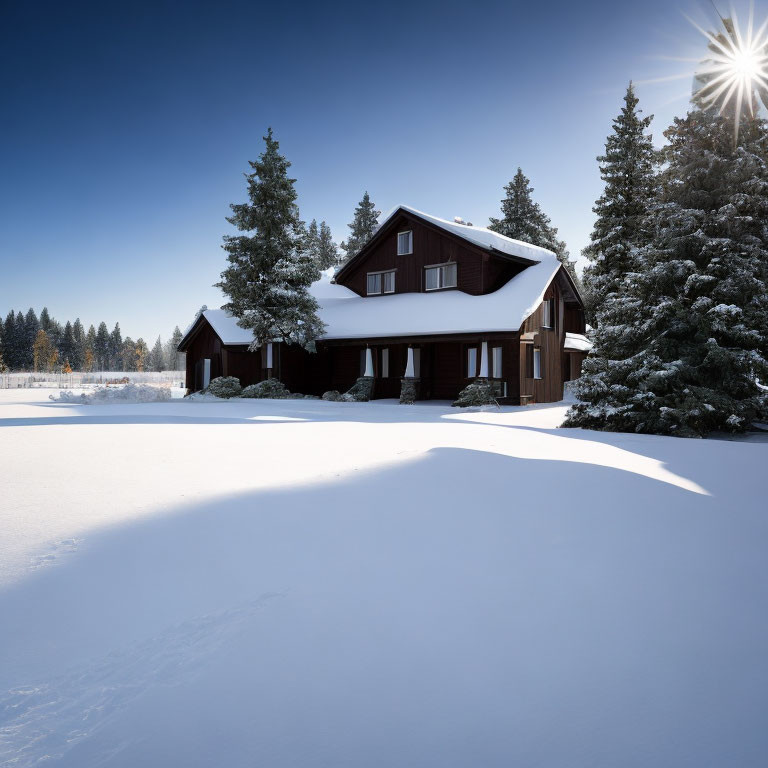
441,271
472,363
537,363
380,274
547,313
408,232
496,363
385,363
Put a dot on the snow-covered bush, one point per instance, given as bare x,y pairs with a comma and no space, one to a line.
225,386
269,388
361,390
479,392
333,396
130,393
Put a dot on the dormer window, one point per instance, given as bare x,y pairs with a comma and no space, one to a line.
440,276
404,243
381,282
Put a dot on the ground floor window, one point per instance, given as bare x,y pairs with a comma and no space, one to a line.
472,362
385,363
496,363
537,363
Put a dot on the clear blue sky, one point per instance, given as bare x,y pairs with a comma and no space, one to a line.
126,127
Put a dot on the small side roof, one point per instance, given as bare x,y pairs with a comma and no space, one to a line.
224,325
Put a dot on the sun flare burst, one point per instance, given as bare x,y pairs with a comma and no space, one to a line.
735,74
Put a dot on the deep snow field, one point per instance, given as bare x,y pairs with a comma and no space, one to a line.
303,584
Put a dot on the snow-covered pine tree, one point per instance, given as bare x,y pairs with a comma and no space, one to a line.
155,361
42,351
171,352
78,358
697,340
141,355
67,343
20,339
128,355
31,327
9,340
522,219
321,246
627,169
364,224
101,348
115,347
270,271
89,354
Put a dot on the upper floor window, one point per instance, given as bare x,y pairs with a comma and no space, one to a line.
548,313
404,243
440,276
381,282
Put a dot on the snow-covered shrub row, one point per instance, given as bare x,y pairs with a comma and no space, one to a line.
269,388
130,393
225,386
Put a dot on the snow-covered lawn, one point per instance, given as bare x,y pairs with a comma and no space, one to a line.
303,583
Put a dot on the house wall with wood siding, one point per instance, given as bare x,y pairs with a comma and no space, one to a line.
477,271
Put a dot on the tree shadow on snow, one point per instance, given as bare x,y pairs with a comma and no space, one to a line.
453,610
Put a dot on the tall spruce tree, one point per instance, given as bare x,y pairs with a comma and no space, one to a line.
155,360
172,353
364,224
67,345
522,219
9,341
23,348
270,270
696,343
115,347
31,327
102,347
89,353
627,169
78,358
321,246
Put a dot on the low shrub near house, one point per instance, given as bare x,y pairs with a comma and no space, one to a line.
333,396
479,392
269,388
225,386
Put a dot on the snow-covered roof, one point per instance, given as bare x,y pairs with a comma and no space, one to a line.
578,342
480,236
224,325
349,316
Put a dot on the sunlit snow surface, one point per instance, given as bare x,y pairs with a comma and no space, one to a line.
302,583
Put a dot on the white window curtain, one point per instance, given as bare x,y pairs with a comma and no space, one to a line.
496,363
374,284
471,362
536,363
443,276
389,282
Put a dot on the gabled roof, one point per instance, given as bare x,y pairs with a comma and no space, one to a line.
224,326
480,237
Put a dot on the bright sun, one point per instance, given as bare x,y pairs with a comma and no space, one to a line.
737,69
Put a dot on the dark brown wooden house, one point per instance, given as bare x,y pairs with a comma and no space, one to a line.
442,302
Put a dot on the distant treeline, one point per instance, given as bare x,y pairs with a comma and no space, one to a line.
32,343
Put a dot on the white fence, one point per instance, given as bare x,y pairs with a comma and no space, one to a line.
87,380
